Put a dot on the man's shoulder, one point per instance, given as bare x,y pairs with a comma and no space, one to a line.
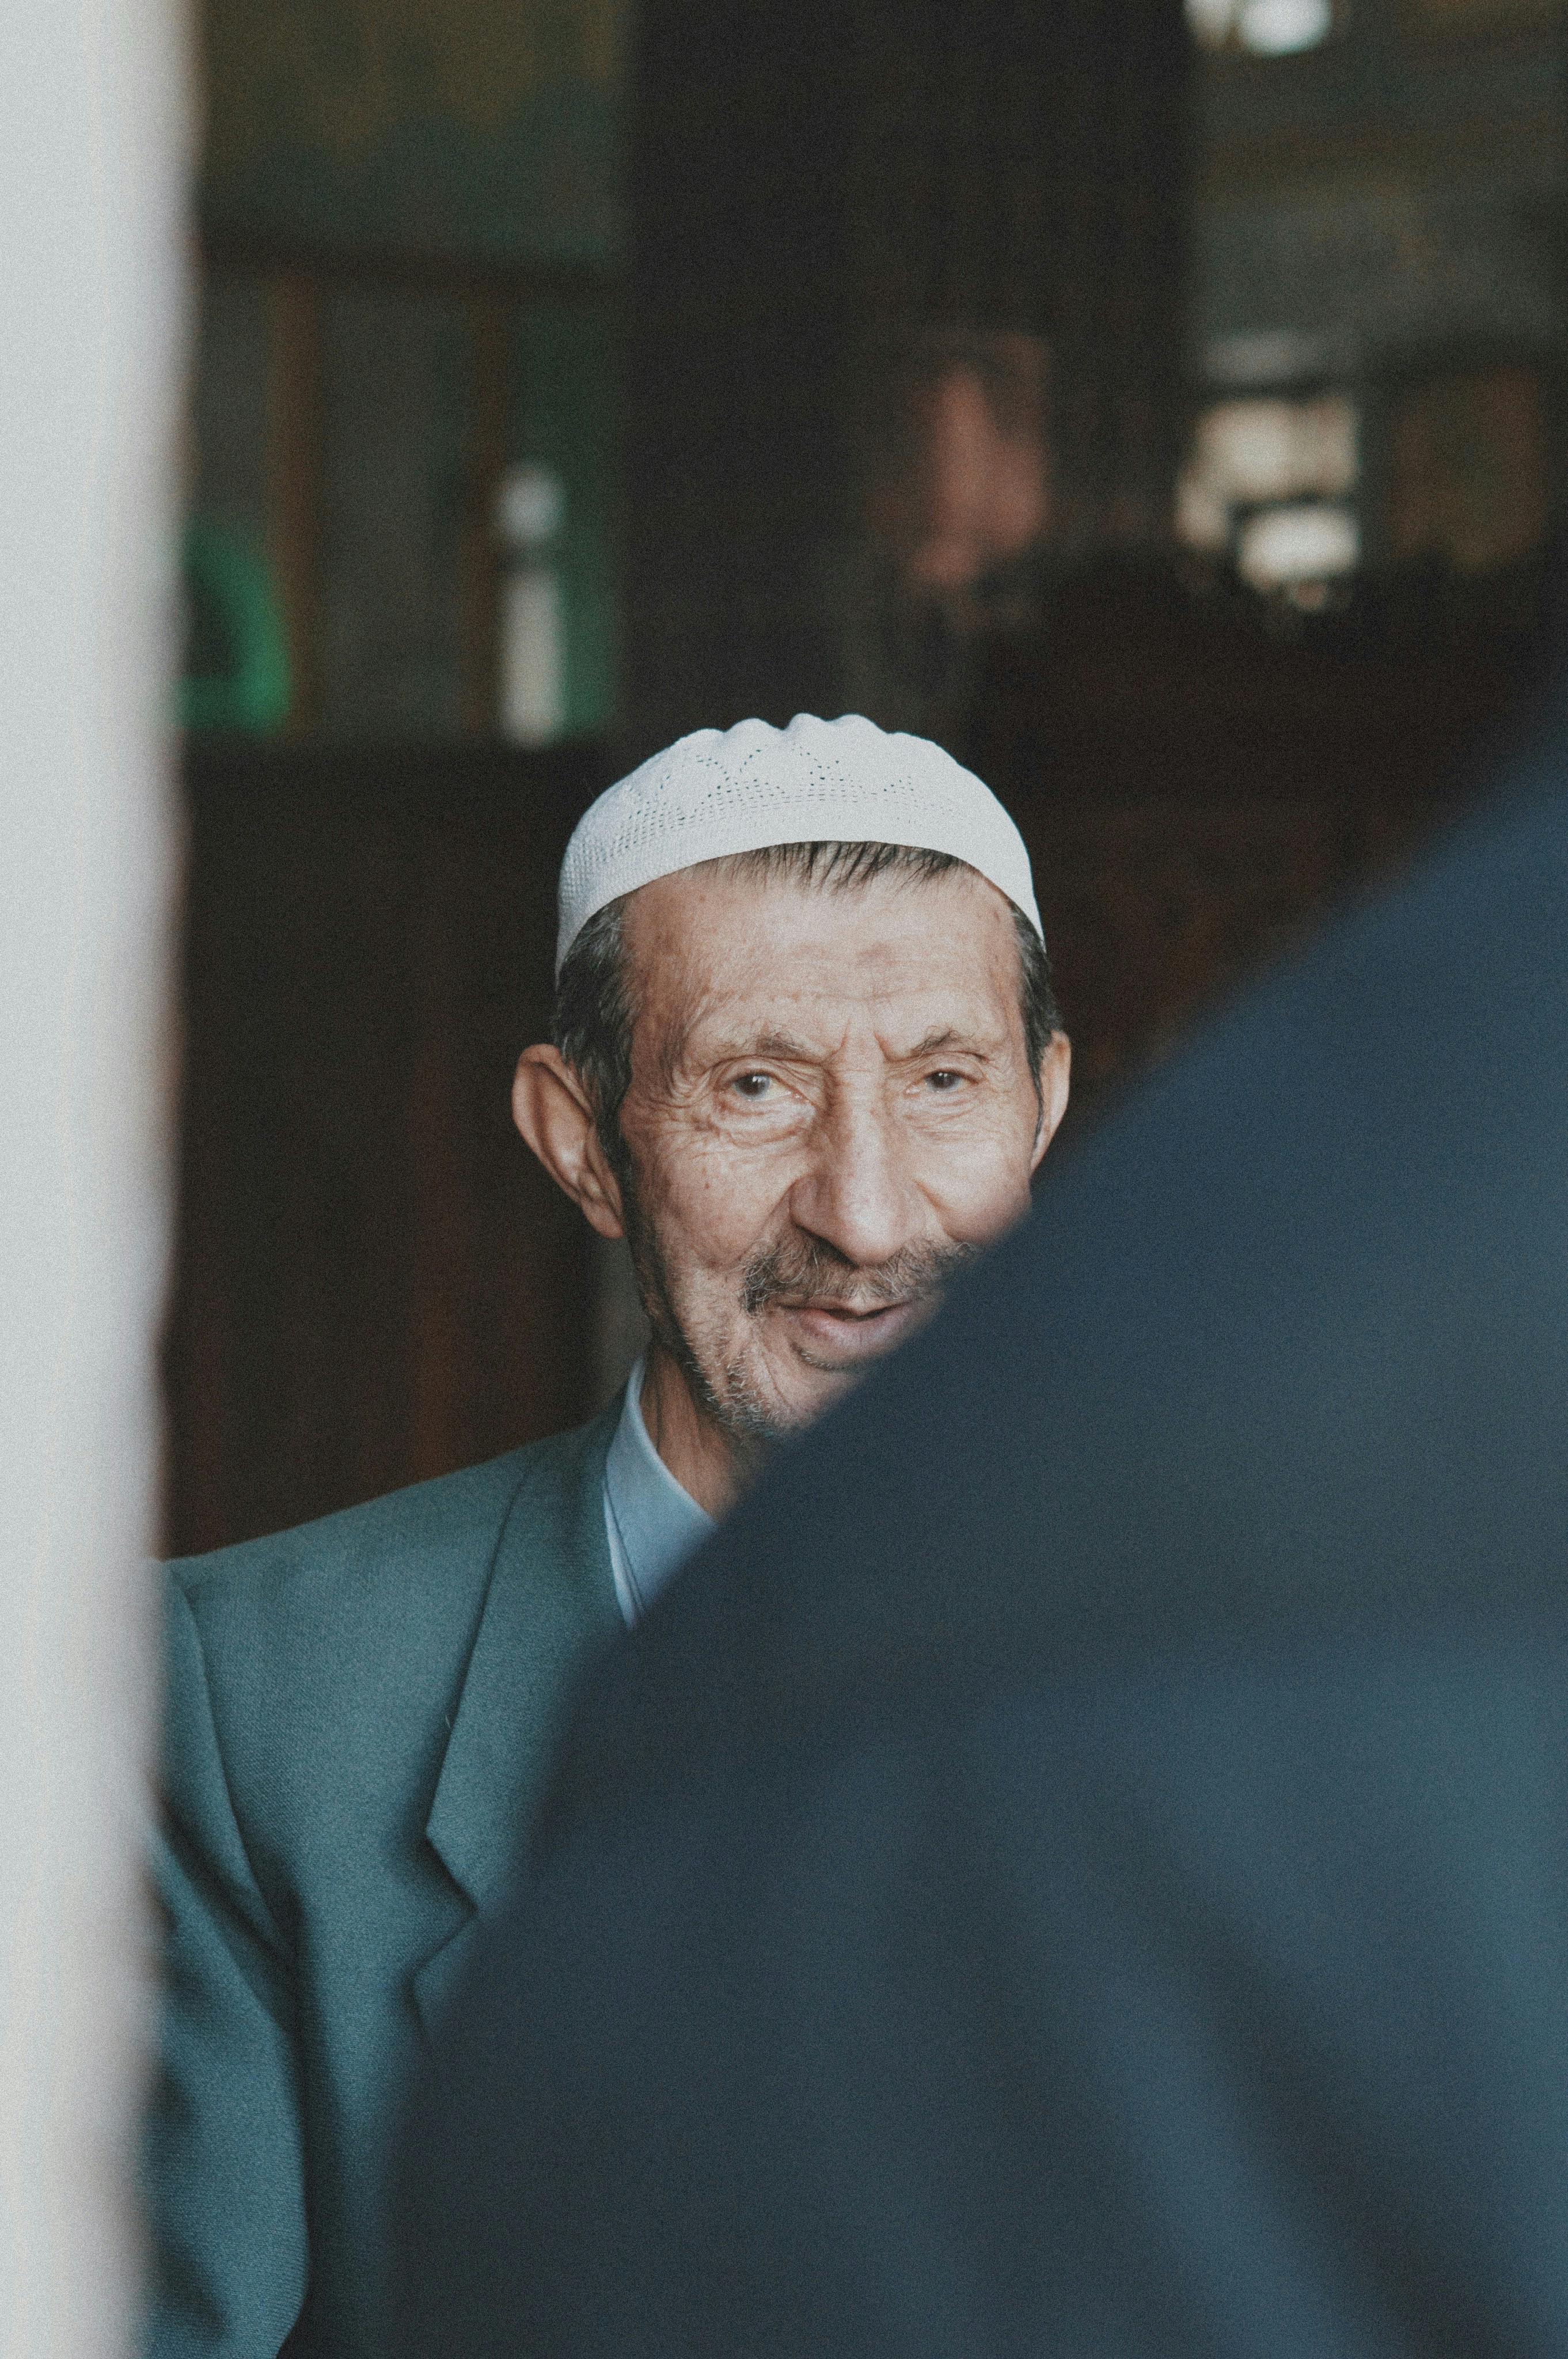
397,1564
323,1666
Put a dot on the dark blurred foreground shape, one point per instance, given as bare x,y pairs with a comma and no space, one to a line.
1079,1865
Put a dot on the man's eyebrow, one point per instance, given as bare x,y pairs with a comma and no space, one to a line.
784,1046
789,1049
720,1048
943,1036
777,1043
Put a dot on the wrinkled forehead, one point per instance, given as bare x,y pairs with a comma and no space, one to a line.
720,949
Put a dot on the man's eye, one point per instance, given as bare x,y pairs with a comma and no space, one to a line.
944,1078
753,1085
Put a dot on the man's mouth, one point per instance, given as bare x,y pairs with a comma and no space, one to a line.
840,1334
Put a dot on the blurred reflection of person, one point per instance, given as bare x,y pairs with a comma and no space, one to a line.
806,1060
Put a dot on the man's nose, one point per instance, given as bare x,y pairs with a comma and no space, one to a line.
859,1193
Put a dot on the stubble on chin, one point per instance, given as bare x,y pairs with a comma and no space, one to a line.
724,1395
725,1391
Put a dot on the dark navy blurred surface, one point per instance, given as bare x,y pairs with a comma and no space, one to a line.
1079,1863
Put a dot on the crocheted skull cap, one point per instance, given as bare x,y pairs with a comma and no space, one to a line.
725,790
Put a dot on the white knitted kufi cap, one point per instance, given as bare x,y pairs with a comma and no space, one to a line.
725,790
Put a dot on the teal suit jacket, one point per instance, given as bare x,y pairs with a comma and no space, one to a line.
359,1718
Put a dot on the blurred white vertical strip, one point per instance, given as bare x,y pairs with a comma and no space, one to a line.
93,234
530,507
532,704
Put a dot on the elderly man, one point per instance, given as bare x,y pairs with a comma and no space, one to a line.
1111,1898
806,1060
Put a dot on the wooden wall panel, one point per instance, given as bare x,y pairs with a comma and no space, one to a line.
375,1282
1199,784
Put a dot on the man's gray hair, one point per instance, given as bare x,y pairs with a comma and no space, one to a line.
595,1013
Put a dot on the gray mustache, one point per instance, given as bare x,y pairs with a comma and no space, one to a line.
812,1269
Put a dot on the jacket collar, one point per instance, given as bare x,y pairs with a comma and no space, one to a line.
549,1604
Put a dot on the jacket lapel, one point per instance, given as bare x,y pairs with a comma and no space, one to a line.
549,1604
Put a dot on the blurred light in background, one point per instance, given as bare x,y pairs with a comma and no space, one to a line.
1249,451
1252,466
1269,28
530,509
1298,549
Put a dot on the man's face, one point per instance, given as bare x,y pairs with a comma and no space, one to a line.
831,1108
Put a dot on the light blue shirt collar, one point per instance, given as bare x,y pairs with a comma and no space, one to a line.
653,1524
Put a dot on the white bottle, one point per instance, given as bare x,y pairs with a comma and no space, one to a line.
530,507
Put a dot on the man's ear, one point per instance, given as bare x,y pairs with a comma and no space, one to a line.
552,1110
1055,1072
